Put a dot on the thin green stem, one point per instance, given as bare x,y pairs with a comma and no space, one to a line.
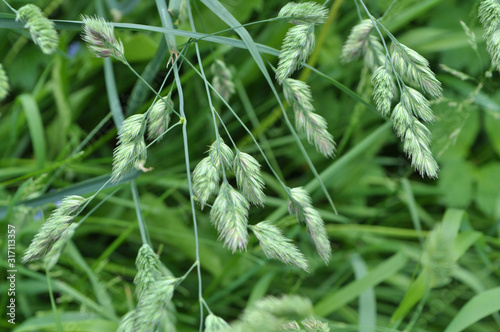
167,22
10,7
57,319
140,218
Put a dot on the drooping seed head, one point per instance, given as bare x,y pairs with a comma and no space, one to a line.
100,38
41,29
304,13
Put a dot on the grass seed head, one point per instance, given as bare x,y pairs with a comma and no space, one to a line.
304,13
100,38
41,28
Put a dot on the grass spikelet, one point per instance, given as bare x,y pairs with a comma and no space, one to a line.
100,38
489,16
54,228
221,155
357,41
415,69
153,304
229,215
148,270
248,178
131,150
299,204
223,79
215,324
439,257
298,94
205,180
304,13
276,246
4,84
159,118
416,103
383,94
127,322
297,46
41,28
415,135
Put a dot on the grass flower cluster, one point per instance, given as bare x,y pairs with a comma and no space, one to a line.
392,71
223,79
276,246
41,28
100,38
159,116
131,150
54,229
154,292
299,40
300,206
298,94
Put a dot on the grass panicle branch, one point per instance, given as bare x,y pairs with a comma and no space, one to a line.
308,324
304,13
41,28
101,40
276,246
229,216
54,228
300,205
298,94
131,150
4,84
248,178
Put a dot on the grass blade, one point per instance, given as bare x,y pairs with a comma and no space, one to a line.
35,125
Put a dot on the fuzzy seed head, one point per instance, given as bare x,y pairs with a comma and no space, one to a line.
148,270
223,79
41,29
159,118
131,150
54,228
383,84
248,178
415,69
229,215
439,257
131,128
4,84
153,304
357,41
221,155
205,180
100,38
298,94
297,46
299,204
416,103
215,324
304,13
276,246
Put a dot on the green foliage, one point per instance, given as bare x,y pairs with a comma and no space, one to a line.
232,226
